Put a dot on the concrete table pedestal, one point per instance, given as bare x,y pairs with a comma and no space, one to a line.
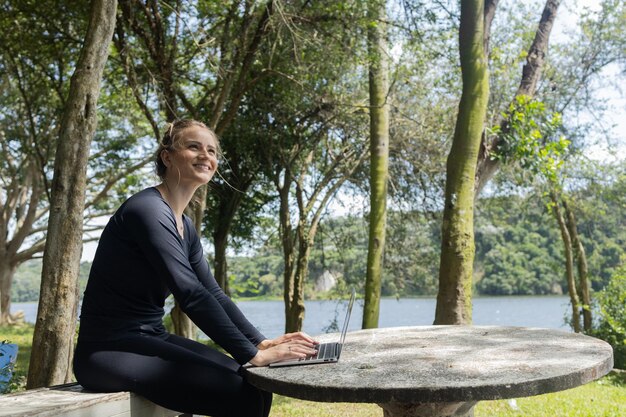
437,371
458,409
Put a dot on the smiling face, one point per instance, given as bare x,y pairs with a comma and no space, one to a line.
192,160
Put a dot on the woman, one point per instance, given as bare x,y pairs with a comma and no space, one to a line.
148,250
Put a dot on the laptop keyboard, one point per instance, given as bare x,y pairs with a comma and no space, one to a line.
324,351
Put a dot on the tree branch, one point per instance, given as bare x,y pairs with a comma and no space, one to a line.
486,165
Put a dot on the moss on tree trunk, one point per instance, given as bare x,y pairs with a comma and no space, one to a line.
379,160
454,302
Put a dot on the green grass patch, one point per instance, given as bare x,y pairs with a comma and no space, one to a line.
22,336
290,407
603,398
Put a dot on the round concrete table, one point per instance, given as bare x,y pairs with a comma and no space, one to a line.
442,370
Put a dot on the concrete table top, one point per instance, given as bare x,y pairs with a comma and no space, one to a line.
443,370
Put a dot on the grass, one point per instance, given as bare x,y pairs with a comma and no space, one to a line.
603,398
22,335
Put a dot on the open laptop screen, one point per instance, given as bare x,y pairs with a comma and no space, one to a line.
347,319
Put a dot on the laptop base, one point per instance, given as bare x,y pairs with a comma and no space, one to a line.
312,360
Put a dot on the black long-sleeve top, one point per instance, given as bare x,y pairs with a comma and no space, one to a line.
140,260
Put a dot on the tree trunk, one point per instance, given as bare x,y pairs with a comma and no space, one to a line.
295,318
220,243
490,12
454,302
379,158
164,49
487,166
569,261
18,212
183,326
581,263
229,203
53,340
7,271
286,236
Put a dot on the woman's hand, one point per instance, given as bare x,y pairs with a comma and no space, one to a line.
286,338
289,346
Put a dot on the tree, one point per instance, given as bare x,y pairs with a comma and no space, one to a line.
565,79
320,181
581,263
204,61
579,68
31,95
56,316
379,158
312,130
457,246
530,141
486,166
36,63
309,156
196,62
569,260
310,149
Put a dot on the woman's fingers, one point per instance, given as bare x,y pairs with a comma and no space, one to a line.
293,349
297,349
299,336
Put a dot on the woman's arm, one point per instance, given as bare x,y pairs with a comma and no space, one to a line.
296,345
203,272
153,226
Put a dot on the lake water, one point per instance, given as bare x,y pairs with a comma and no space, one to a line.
268,316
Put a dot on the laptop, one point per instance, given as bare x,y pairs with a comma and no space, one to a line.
326,352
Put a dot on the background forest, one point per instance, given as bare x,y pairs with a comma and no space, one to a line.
516,253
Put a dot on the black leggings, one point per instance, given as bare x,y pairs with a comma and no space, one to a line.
176,373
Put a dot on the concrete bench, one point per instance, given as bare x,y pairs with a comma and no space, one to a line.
71,400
